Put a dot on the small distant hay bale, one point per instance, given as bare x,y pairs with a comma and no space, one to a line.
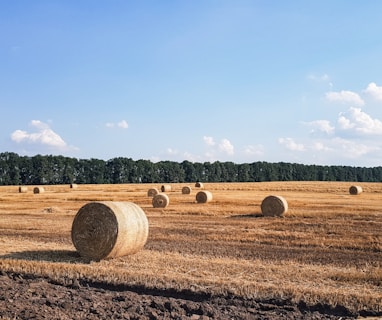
160,200
198,185
38,190
152,192
109,229
203,196
354,190
273,206
186,190
165,188
73,186
23,189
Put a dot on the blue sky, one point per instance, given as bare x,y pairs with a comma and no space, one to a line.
201,80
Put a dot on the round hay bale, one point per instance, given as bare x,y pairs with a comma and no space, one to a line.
38,190
160,200
73,186
273,206
152,192
165,188
186,190
203,196
354,190
199,185
23,189
109,229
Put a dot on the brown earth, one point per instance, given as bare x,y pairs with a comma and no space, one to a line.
30,297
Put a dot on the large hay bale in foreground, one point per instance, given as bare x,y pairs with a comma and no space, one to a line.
109,229
273,206
23,189
152,192
38,190
354,190
160,200
203,196
186,190
165,188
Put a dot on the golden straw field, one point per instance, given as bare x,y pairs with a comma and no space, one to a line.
327,248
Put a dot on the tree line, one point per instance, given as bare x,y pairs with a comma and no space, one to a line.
49,169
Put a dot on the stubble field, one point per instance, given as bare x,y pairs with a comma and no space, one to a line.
326,250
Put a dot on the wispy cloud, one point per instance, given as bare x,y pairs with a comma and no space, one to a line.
344,96
226,146
209,141
121,124
320,126
290,144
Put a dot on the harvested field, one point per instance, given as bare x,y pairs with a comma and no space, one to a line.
322,259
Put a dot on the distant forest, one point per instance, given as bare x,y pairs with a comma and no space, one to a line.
49,169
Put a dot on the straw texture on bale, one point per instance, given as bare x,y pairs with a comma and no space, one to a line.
38,190
109,229
274,206
160,200
73,186
199,185
186,190
165,188
354,190
203,196
23,189
152,192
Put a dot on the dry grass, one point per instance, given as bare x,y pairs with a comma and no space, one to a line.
327,248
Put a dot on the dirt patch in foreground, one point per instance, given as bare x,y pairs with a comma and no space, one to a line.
31,297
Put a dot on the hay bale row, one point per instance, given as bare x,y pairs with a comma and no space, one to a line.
160,200
108,229
152,192
272,206
355,190
203,196
186,190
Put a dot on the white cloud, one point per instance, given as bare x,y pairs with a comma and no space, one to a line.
122,124
290,144
43,136
352,149
374,91
209,141
359,122
345,97
171,152
226,146
321,126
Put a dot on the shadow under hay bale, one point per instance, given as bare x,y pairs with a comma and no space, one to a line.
38,190
152,192
203,196
355,190
109,229
274,206
186,190
160,200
